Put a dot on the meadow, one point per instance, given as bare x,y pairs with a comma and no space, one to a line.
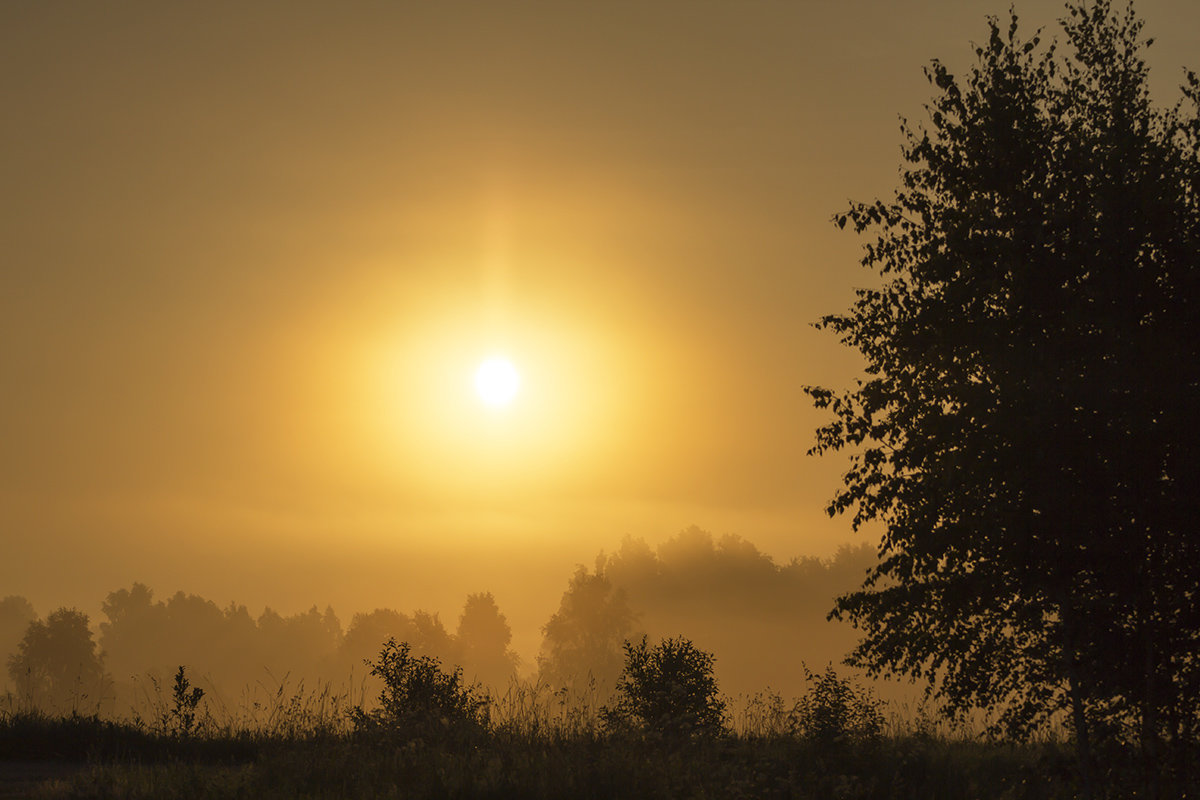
531,742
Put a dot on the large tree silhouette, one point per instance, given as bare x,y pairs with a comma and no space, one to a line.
1026,431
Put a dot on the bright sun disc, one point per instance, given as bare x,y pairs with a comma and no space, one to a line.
497,381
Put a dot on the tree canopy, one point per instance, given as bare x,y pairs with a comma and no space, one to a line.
56,667
484,639
1024,433
583,639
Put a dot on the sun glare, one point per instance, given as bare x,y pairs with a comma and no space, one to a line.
496,382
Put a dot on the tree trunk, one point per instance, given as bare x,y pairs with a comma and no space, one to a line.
1083,743
1150,749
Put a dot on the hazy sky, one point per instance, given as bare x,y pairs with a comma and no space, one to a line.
252,253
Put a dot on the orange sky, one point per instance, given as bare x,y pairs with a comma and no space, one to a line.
253,250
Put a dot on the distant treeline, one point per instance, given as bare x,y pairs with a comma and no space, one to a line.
760,618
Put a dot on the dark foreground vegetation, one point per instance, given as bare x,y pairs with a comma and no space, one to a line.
666,733
127,762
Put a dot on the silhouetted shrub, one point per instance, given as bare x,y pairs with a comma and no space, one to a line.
419,699
835,710
186,700
669,689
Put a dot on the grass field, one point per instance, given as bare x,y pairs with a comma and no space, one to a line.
536,744
91,758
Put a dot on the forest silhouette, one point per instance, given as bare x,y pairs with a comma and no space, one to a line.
762,620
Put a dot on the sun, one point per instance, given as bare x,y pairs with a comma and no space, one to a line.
496,382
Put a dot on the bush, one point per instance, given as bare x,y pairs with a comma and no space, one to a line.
835,710
419,699
181,719
669,689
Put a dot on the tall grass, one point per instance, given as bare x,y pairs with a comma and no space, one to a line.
281,739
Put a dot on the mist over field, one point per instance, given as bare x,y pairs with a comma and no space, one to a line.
761,619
